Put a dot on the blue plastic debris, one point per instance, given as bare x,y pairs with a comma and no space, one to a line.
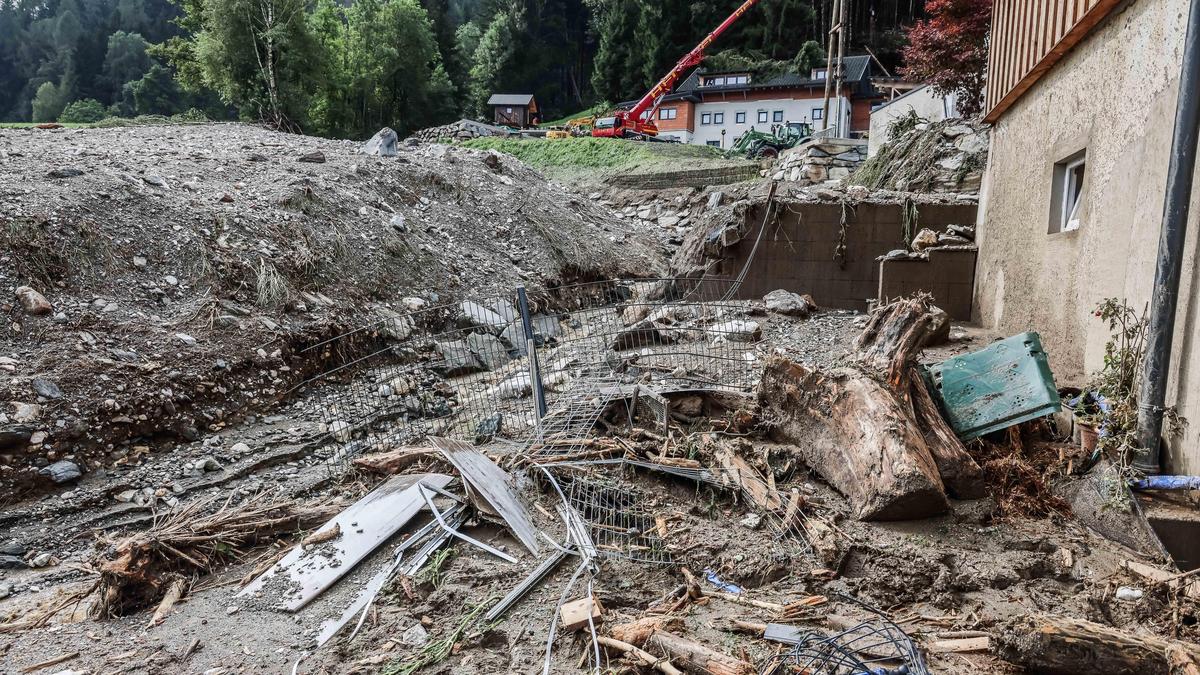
712,578
1167,483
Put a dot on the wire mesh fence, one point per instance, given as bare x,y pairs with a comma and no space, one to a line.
515,369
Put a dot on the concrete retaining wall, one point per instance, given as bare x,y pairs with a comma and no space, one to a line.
800,252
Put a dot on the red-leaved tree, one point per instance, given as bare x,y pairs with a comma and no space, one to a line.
950,49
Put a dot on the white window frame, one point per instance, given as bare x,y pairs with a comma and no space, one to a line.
1072,193
1068,182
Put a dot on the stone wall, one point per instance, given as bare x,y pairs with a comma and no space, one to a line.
820,161
697,178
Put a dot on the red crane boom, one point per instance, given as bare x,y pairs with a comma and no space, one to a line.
629,122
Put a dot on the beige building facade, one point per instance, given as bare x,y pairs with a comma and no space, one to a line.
1072,199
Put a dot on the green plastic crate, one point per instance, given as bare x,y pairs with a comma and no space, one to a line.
1004,384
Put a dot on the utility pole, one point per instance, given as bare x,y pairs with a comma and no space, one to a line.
841,54
835,24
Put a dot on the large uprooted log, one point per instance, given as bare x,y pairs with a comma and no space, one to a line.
1059,645
871,429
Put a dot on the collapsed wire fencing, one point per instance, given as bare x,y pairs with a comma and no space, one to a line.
514,370
538,379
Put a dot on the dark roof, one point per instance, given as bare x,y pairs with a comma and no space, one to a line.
857,73
858,77
510,99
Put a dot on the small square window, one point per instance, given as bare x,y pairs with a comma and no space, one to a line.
1066,194
818,114
762,116
777,116
706,118
719,118
667,113
739,117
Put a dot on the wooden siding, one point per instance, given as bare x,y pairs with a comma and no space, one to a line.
683,117
1030,36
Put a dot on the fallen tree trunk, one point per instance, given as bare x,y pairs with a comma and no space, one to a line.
873,430
697,658
857,435
961,474
1059,645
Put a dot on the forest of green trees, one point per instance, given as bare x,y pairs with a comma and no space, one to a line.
349,67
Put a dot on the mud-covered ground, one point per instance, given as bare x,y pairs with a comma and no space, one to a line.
969,570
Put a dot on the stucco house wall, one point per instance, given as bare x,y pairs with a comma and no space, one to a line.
1028,279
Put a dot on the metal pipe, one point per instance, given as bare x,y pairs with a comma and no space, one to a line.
535,372
1165,295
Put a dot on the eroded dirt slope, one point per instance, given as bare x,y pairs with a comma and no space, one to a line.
184,265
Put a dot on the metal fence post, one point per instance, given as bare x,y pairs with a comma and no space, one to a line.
535,372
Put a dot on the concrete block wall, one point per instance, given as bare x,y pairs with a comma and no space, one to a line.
948,275
799,251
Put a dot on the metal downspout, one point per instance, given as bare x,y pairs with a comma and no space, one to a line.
1165,297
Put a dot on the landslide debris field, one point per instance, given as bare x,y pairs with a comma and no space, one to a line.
184,264
281,416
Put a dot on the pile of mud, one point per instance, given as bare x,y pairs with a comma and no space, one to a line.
182,266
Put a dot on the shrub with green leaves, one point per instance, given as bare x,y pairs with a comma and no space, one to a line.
84,111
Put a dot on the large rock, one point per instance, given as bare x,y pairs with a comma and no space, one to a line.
33,302
382,144
545,329
738,330
926,238
457,358
789,303
478,316
14,436
62,472
491,352
938,330
46,388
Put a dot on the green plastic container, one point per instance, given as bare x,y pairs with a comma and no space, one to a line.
1007,383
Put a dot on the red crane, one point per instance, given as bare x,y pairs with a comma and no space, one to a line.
629,123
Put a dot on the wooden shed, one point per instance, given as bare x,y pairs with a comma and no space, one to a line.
514,110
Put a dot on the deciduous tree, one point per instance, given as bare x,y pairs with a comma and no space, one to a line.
949,50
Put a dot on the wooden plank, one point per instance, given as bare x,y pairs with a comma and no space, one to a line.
1191,590
962,645
1078,30
492,484
365,525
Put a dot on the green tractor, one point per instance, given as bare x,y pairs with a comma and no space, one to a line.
767,145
